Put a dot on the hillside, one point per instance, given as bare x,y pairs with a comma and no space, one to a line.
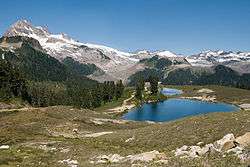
60,135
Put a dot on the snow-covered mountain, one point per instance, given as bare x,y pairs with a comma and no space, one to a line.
116,64
61,46
210,58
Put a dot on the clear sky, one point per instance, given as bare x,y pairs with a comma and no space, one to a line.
181,26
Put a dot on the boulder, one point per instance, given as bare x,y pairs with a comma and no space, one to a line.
193,151
4,147
69,162
228,145
162,162
130,139
219,144
146,156
244,140
116,158
181,151
207,149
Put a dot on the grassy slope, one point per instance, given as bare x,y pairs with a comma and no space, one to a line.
21,128
127,93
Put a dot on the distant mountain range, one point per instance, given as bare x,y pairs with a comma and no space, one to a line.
105,63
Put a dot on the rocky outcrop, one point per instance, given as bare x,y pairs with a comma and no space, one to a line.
152,156
245,106
228,144
69,162
244,140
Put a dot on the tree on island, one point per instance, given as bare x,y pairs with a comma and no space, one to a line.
139,89
153,84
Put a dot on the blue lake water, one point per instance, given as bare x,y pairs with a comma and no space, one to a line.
170,92
173,109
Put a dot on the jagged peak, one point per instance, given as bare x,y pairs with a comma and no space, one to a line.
24,27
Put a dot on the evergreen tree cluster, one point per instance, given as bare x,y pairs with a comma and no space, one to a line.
49,93
153,84
80,69
139,89
222,75
12,83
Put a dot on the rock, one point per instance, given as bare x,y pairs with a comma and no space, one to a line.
97,122
219,144
244,140
46,148
244,156
200,143
162,161
245,106
181,151
150,122
116,158
146,156
65,150
194,151
236,150
75,131
205,90
130,139
4,147
69,162
228,145
97,134
208,148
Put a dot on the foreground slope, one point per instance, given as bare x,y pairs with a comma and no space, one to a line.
64,136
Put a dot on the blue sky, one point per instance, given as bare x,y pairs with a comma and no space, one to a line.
181,26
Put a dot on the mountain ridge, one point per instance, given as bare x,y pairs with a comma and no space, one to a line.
114,63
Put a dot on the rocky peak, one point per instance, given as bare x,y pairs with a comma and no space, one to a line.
25,28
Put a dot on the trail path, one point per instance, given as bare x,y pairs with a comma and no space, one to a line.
126,105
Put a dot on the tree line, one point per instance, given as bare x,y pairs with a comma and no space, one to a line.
48,93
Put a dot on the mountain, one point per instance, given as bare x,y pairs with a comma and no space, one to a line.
115,64
61,46
27,55
102,63
210,58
